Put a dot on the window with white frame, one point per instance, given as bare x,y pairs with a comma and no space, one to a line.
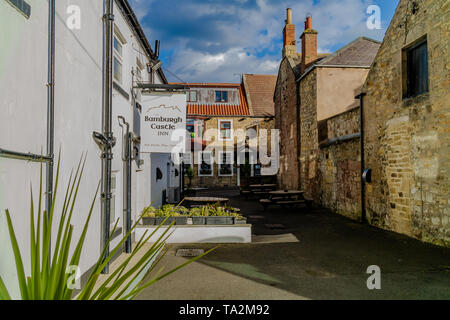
225,130
226,163
118,57
192,96
205,164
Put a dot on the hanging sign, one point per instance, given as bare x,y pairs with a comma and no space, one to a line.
163,123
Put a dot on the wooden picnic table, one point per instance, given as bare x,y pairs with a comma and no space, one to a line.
285,198
260,190
194,191
286,193
206,200
263,186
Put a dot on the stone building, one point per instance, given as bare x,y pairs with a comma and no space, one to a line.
215,113
318,118
407,139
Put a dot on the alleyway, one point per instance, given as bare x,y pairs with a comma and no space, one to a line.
329,261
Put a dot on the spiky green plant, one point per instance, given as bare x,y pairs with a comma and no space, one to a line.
49,276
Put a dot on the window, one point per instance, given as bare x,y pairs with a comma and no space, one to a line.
221,96
190,127
118,59
192,96
415,77
118,47
226,163
138,74
205,167
225,129
23,7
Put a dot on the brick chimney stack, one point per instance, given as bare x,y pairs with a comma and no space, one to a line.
289,43
309,44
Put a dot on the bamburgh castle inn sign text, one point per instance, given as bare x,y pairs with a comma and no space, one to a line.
163,123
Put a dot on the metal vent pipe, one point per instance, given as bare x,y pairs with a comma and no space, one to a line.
50,105
107,154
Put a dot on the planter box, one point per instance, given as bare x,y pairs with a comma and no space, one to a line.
199,221
240,221
178,220
148,221
200,234
219,220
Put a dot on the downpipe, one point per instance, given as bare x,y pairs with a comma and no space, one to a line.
363,159
127,160
106,140
50,106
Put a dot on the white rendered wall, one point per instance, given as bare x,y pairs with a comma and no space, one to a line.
78,112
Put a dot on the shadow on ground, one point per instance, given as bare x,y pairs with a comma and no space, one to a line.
329,262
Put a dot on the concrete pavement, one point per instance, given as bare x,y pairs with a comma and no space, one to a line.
314,254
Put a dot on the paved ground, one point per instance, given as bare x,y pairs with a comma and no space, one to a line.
329,261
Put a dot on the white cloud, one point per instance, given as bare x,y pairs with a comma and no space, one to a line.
193,66
227,38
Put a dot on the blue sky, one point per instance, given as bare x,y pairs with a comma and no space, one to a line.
218,40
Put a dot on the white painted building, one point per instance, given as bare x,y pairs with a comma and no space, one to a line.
78,113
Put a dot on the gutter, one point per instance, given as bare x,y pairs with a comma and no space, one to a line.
339,140
129,14
312,67
231,116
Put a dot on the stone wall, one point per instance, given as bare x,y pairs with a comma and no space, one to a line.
340,166
309,145
286,122
408,140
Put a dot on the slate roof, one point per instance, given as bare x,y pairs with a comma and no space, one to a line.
259,90
360,52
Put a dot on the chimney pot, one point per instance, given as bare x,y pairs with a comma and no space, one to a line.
308,23
289,16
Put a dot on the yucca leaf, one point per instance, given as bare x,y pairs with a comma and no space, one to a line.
118,246
18,258
142,288
77,253
34,266
4,294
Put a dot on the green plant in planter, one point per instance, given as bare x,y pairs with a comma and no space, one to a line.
49,277
190,175
149,212
246,171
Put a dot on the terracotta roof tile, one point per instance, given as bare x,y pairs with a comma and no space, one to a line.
219,109
259,90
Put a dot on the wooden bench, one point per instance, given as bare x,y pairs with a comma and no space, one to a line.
284,203
246,193
266,203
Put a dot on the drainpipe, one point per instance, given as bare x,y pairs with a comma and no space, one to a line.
50,104
299,132
363,162
107,134
126,158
